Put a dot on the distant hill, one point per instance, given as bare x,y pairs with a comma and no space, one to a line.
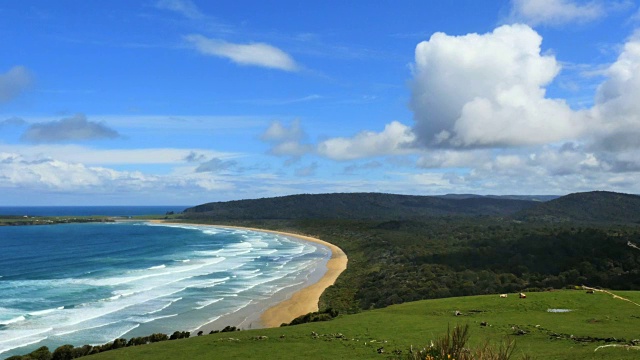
355,206
509,197
595,206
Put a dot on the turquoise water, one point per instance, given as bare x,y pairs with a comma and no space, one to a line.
91,283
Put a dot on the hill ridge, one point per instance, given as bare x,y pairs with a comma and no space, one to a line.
591,206
356,206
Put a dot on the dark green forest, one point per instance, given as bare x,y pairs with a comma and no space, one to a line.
398,261
430,253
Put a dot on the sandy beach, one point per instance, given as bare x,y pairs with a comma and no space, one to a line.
290,304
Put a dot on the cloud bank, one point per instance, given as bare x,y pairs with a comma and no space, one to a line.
481,111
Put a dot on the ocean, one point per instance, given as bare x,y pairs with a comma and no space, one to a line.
92,283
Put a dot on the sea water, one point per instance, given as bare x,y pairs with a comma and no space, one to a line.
92,283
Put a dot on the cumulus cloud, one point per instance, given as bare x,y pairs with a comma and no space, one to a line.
76,128
17,170
393,140
617,109
453,158
14,82
183,7
216,165
53,176
291,148
255,54
286,140
279,132
480,108
488,90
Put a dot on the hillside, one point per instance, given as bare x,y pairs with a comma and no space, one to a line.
355,206
407,248
510,197
594,320
594,207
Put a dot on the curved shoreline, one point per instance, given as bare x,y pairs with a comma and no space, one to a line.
304,300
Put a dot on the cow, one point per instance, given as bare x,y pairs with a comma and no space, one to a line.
523,296
503,295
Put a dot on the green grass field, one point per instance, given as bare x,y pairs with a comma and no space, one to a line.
547,335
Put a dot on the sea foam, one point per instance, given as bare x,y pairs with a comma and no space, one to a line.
171,278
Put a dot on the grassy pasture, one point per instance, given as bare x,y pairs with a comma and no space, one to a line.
546,335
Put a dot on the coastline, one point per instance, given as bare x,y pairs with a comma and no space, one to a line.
290,302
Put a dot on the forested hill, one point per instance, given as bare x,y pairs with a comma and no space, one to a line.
591,207
356,206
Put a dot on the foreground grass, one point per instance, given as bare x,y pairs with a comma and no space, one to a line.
544,335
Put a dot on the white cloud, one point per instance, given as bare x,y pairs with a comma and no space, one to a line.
481,110
256,54
435,182
617,109
291,148
54,176
183,7
278,132
286,140
488,90
17,170
453,158
556,12
395,139
105,157
15,81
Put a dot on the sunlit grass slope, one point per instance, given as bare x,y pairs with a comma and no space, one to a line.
547,335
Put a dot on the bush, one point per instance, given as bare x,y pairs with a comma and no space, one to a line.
453,346
41,353
64,352
325,315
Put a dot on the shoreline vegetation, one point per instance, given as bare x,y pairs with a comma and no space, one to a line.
302,301
25,220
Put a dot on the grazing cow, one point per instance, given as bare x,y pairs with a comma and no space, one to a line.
523,296
503,295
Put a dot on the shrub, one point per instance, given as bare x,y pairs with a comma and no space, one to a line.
64,352
453,346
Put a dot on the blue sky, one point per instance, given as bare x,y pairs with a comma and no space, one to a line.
187,101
